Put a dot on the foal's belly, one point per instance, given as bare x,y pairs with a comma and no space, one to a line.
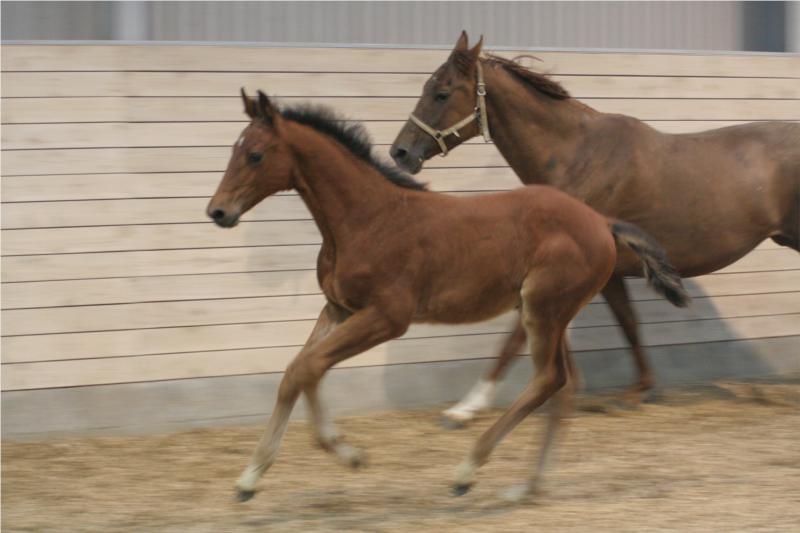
459,305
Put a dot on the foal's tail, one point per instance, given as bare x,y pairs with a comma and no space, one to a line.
658,272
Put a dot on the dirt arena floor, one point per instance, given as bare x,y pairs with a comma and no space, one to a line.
713,458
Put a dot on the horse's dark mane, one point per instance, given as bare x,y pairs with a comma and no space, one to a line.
353,136
537,80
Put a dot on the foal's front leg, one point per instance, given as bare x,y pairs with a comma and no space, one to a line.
325,431
361,331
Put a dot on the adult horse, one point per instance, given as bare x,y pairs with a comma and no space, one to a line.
708,198
393,253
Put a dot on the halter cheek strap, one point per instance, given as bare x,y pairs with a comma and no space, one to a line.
478,115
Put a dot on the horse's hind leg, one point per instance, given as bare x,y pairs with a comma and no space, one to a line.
545,331
616,294
482,394
790,227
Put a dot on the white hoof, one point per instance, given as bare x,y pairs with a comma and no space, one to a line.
249,479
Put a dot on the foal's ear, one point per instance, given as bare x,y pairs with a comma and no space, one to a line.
266,110
249,105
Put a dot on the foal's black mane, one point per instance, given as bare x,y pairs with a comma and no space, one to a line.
353,136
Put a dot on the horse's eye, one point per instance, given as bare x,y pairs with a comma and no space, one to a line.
254,158
441,97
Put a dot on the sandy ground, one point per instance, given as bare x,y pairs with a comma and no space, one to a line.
716,458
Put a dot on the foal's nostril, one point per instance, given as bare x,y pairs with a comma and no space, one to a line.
218,214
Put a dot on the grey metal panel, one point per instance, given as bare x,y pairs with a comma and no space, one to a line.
615,25
169,405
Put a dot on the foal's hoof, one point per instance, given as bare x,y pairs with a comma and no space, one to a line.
459,489
243,495
518,493
350,456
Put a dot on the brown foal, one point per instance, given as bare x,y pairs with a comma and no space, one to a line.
394,253
708,198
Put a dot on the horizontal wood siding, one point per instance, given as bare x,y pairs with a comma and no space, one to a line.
111,274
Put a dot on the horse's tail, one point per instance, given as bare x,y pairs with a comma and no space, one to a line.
658,272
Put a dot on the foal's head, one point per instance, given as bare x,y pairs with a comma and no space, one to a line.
447,97
260,165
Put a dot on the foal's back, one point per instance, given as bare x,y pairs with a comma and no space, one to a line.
479,251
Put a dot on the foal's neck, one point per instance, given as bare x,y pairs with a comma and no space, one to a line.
536,134
343,192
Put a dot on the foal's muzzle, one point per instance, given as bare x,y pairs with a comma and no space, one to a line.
223,218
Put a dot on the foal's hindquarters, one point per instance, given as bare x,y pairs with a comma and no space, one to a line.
570,273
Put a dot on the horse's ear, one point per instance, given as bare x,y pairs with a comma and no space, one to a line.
475,52
462,44
266,110
249,105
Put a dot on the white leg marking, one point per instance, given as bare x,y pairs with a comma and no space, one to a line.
465,473
266,452
479,398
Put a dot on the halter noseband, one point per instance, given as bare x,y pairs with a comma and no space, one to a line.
478,115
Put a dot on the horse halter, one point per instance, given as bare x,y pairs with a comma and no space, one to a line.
478,115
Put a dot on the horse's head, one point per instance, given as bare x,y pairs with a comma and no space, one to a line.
448,99
260,165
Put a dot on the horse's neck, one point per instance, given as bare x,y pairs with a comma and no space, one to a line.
339,190
536,134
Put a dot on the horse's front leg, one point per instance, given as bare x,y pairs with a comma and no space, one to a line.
482,394
361,331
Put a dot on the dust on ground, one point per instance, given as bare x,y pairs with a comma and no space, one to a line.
714,458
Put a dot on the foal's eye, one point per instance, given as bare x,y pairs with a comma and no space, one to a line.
254,158
441,97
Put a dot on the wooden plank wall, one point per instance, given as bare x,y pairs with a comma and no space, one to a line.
111,273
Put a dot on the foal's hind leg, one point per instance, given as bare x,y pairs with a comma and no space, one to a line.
616,294
545,331
560,405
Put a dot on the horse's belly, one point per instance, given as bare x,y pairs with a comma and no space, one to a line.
693,257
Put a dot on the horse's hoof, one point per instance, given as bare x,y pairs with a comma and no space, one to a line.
460,489
653,396
451,423
243,495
